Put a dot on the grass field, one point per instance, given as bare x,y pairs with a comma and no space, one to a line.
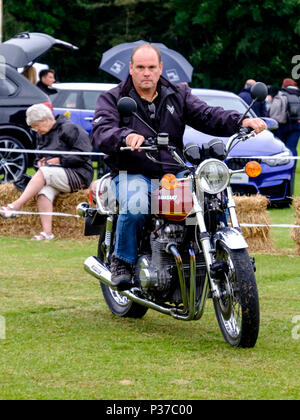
61,341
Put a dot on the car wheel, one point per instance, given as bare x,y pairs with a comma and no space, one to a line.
13,165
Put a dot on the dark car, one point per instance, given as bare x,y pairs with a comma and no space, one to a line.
78,101
16,94
276,181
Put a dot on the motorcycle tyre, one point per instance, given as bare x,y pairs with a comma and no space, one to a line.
118,304
249,301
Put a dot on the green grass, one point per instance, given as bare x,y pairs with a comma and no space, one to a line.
282,236
63,343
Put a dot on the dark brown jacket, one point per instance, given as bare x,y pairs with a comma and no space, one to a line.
175,107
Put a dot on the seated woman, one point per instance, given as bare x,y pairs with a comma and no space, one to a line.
55,174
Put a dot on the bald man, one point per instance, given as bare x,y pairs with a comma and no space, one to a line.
259,108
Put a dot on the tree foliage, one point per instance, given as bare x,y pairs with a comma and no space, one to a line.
227,41
231,41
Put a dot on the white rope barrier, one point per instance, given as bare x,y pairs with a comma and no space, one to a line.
51,152
57,152
17,212
43,213
262,225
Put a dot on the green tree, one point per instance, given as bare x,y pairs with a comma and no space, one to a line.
93,26
229,41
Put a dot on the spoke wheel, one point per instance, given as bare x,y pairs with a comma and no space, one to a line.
237,308
13,165
118,304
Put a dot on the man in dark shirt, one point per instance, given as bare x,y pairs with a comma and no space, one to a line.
47,78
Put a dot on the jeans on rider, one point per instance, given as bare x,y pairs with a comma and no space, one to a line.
133,192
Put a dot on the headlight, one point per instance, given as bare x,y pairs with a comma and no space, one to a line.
212,176
281,159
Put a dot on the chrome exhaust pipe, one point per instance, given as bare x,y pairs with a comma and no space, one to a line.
96,268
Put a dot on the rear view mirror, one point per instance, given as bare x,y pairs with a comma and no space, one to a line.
259,91
127,106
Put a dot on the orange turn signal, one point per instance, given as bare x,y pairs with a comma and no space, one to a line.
92,191
91,199
169,181
253,169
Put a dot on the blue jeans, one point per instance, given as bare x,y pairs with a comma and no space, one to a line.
134,196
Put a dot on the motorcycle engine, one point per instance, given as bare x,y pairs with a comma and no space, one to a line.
157,273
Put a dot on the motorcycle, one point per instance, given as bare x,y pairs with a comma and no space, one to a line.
192,248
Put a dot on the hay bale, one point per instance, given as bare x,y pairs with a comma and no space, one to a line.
28,225
295,232
296,205
253,209
249,210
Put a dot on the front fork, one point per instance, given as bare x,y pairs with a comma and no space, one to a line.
205,238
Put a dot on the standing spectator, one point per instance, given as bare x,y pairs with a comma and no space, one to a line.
259,107
285,109
56,173
272,92
47,78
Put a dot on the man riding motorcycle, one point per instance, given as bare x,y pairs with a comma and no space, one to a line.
167,108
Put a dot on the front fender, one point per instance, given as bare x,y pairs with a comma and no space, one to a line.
232,238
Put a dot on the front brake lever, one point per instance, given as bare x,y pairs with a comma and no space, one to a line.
243,131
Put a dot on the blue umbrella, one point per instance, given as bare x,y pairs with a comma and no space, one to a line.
116,60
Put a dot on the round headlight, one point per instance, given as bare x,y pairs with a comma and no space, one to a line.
212,176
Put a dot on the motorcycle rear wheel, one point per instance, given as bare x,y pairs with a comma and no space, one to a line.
117,303
237,310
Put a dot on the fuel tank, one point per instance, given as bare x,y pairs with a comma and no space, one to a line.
175,203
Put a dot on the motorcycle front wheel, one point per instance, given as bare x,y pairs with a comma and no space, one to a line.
237,308
118,304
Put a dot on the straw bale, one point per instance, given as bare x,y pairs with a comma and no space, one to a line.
249,210
295,232
29,225
253,210
296,205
